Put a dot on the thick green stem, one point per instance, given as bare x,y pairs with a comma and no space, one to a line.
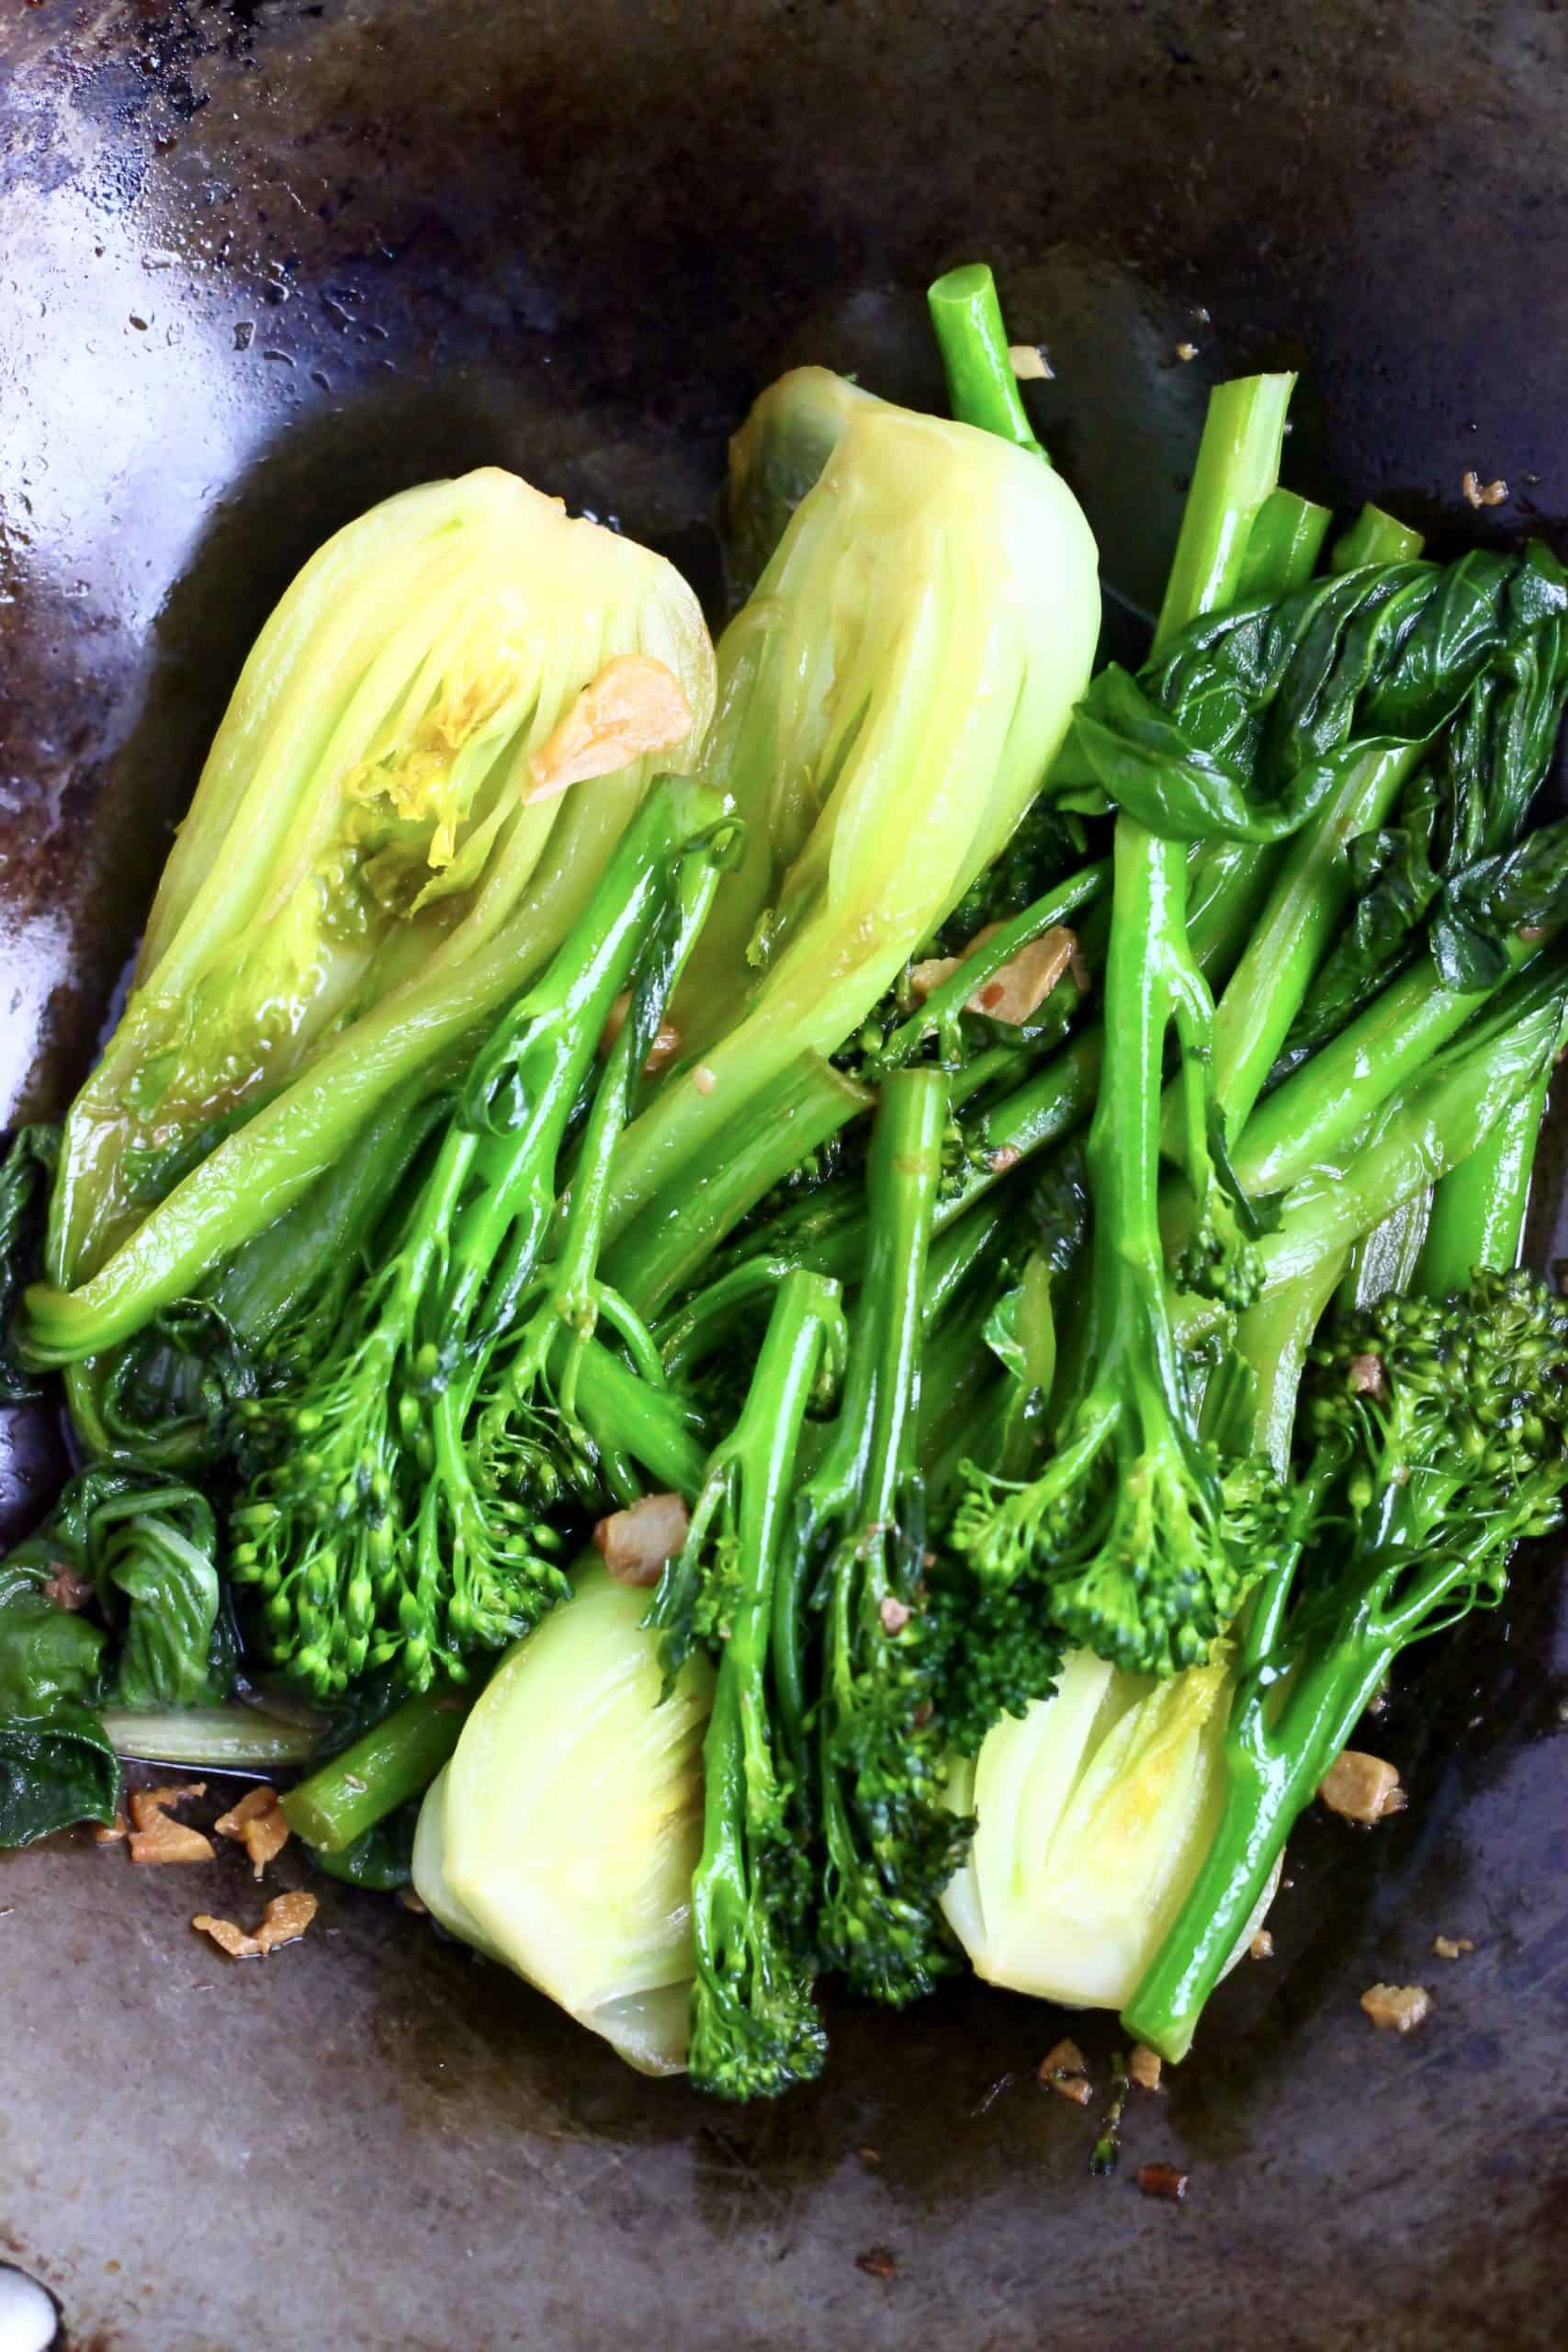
856,1488
982,388
1270,1781
1429,1125
1238,471
1479,1209
627,1415
1123,1136
235,1739
751,2030
679,1229
392,1762
1386,1259
546,1054
1283,546
1320,1105
1305,908
1375,537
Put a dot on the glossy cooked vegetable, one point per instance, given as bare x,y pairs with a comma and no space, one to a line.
996,1202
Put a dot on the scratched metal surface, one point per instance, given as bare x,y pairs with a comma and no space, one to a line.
263,263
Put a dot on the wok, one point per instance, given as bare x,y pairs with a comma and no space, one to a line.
263,262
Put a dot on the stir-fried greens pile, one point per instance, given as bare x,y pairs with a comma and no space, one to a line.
824,1308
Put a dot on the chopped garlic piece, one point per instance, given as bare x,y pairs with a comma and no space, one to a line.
284,1921
1362,1788
1144,2066
1482,493
256,1823
1397,2008
1018,989
635,1543
634,707
1064,2070
155,1838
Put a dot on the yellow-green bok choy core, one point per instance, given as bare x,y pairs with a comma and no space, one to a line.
363,876
889,700
1095,1810
562,1836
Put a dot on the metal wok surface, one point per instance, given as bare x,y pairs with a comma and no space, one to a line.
263,263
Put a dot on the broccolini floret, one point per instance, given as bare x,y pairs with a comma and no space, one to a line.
755,2030
370,1541
1434,1439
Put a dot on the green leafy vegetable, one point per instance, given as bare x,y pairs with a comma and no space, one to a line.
363,880
390,1533
25,1173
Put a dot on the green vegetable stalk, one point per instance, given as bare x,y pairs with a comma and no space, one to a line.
1144,1541
1456,1450
856,1554
754,2026
363,880
394,1760
389,1533
889,701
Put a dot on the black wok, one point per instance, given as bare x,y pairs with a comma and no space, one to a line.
263,263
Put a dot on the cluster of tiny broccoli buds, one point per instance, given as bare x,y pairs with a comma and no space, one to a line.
1219,1265
1474,1386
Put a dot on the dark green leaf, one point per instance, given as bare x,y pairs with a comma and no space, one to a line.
1525,891
55,1769
1243,726
25,1176
149,1548
158,1549
49,1652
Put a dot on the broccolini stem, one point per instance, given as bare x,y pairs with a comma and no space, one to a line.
982,386
396,1759
753,2028
1386,1258
890,1842
1052,1104
530,1077
1479,1208
1237,471
966,1244
1270,1781
1427,1127
835,1247
1151,976
1375,537
1283,546
683,1223
627,1415
1311,1113
903,1181
1312,889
